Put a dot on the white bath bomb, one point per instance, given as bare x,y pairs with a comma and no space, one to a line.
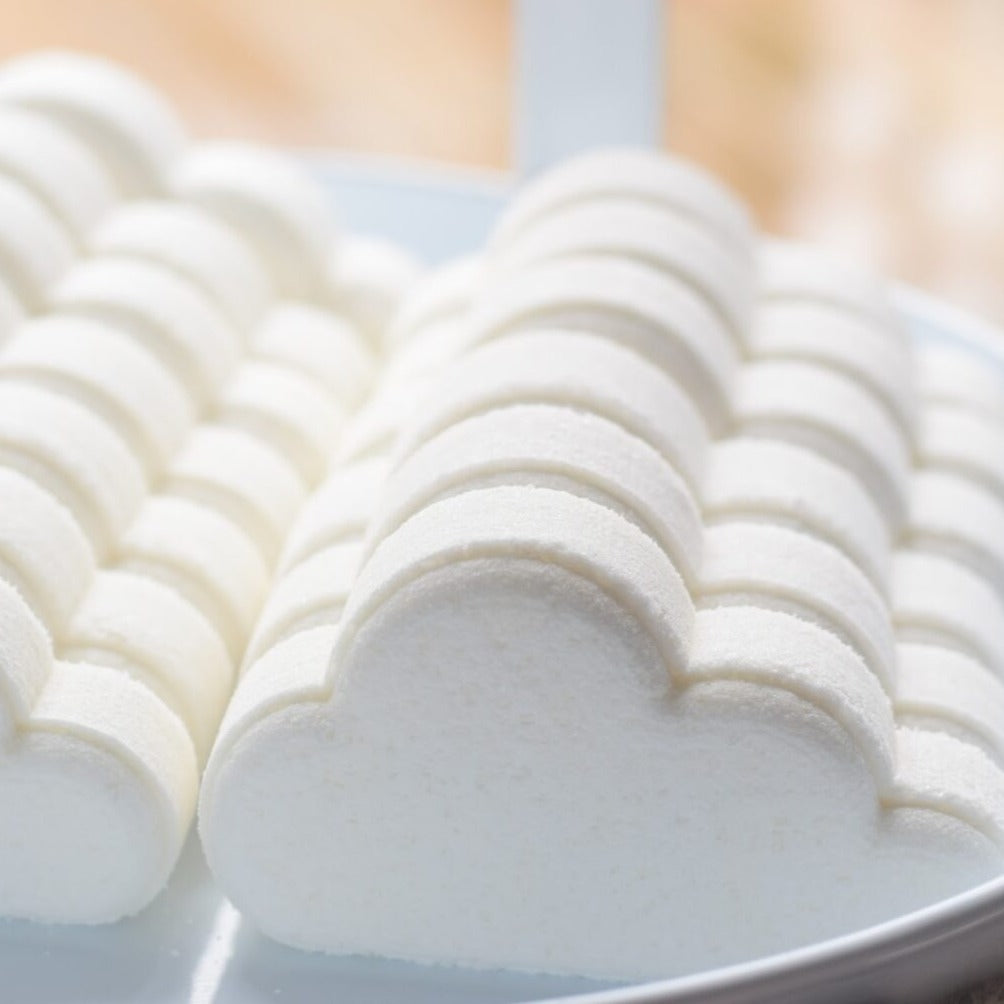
44,553
626,230
794,271
285,411
57,168
938,600
274,203
427,354
74,455
375,430
311,595
241,478
792,485
318,344
370,278
957,375
755,564
944,690
12,312
107,372
196,245
509,732
135,624
656,315
879,359
817,407
118,115
168,315
952,438
443,294
550,447
203,556
36,249
674,186
339,511
577,371
98,781
961,518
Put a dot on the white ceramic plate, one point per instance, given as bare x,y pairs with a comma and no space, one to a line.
191,946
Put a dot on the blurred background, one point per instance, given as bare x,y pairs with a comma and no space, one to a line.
873,126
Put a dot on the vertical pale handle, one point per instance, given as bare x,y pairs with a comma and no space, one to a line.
588,73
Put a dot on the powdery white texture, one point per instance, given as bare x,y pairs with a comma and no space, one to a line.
313,594
105,371
656,315
134,624
97,778
36,250
266,196
937,599
196,246
166,314
339,510
57,168
556,447
879,358
203,556
120,117
231,471
287,411
959,439
43,551
320,345
673,186
817,407
939,688
955,375
960,518
74,455
791,485
370,278
575,370
543,775
761,565
625,230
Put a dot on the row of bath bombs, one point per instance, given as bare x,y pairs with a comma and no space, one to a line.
183,337
646,618
648,621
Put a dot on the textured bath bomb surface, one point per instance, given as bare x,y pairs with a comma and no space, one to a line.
792,485
198,247
170,316
278,207
675,187
119,116
56,168
98,781
656,315
627,231
104,370
575,370
523,749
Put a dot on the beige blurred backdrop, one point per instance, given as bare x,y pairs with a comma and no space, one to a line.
873,126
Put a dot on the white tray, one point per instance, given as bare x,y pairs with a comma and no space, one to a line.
191,947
